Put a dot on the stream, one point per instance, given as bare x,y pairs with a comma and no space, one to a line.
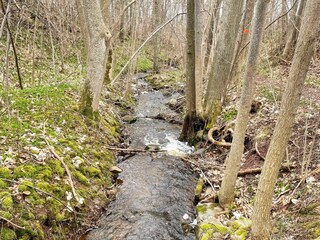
155,200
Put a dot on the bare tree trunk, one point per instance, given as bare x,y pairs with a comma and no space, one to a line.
223,56
261,225
198,57
212,23
188,130
156,22
240,58
97,37
293,31
226,194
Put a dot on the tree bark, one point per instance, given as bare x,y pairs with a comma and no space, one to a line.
261,226
188,130
198,57
293,31
156,22
223,56
226,194
97,40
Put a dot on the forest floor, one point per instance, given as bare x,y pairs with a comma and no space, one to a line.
296,203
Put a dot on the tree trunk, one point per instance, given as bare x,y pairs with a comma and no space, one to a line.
293,31
261,226
188,130
156,22
223,56
198,57
246,32
226,194
97,38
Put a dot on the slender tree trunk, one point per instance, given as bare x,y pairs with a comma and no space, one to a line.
97,40
293,31
226,194
261,226
223,56
156,22
245,34
198,57
188,130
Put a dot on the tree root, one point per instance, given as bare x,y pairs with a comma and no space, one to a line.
215,142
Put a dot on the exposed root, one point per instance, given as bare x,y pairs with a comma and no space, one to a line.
215,142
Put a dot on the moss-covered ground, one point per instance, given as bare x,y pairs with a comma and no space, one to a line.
35,193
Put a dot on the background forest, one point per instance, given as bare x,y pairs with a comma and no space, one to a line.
248,75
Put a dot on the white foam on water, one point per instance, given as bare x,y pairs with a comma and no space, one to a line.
176,148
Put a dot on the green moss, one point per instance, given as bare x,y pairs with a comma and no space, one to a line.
28,216
199,187
43,186
86,101
56,167
92,171
81,178
242,223
5,214
3,184
230,115
5,172
44,173
6,200
27,171
201,208
242,233
215,226
7,234
24,186
60,217
207,235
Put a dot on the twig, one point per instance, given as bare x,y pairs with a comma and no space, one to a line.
62,162
215,142
11,223
132,150
258,152
143,44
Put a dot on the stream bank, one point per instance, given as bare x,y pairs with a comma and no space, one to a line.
155,200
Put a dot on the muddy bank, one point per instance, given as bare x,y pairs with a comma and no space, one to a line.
158,189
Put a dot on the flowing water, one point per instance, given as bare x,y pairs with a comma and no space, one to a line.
156,198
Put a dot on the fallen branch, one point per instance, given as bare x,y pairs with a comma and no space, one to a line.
215,142
143,44
11,223
52,150
258,170
133,150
